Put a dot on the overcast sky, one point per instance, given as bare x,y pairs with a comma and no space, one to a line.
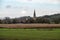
18,8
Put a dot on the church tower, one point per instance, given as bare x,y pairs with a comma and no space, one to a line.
34,15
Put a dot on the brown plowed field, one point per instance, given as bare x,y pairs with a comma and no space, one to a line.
29,25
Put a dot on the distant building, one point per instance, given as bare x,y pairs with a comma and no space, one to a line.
34,15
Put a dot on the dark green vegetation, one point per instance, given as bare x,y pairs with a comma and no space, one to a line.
49,19
29,34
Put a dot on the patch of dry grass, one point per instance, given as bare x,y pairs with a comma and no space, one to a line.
29,25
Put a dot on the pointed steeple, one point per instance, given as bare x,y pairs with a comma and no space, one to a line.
34,14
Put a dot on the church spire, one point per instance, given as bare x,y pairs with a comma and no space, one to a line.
34,14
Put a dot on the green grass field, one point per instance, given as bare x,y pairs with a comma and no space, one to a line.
29,34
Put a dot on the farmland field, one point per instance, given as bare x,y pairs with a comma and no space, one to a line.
29,34
29,25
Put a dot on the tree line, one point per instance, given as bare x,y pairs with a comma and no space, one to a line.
49,19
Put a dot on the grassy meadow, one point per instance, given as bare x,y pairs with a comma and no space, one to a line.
29,34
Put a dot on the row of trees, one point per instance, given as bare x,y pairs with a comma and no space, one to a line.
44,19
7,20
